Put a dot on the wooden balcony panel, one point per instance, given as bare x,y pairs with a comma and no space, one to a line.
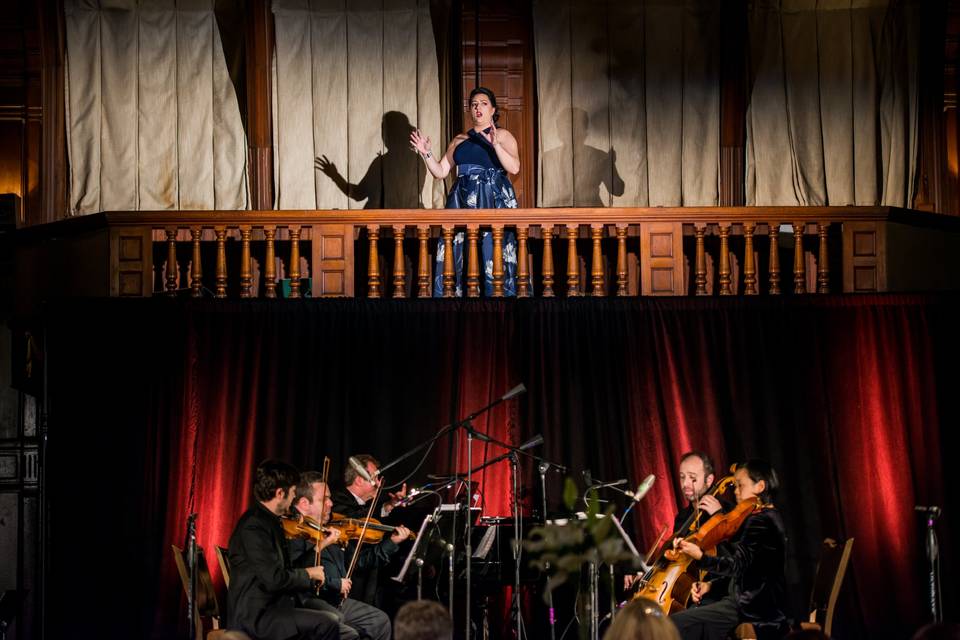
679,251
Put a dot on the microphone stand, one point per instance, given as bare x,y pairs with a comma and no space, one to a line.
933,556
543,467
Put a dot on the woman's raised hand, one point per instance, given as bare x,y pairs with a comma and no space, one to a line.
421,143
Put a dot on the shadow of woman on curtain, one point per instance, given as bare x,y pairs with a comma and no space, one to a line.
592,168
391,181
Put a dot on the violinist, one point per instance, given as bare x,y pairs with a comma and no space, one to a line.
352,502
754,562
359,619
696,476
264,584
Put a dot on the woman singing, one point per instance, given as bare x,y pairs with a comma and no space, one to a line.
482,157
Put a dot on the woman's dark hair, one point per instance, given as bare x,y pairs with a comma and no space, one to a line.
493,100
272,475
759,470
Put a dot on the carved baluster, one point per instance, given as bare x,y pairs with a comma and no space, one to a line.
473,262
523,273
621,260
172,271
573,262
597,284
773,233
724,259
823,268
221,287
196,269
799,267
749,267
293,270
270,264
498,261
423,268
246,277
449,270
547,233
700,230
399,264
373,262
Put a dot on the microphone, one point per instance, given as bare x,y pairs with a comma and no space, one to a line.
535,441
643,489
360,469
513,393
588,477
933,510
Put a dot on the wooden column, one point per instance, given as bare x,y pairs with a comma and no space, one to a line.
749,265
573,262
373,262
221,287
823,266
724,229
473,262
523,272
546,232
498,261
621,260
258,51
294,271
597,283
799,266
423,260
246,276
172,271
449,271
399,265
700,230
773,233
196,268
270,263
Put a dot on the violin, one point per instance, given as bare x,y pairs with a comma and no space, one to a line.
306,528
352,528
722,526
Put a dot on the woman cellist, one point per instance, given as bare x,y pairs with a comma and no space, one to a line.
754,561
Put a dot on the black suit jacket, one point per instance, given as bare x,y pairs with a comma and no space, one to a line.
335,560
263,583
755,563
366,579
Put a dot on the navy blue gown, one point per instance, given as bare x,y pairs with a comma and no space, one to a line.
482,183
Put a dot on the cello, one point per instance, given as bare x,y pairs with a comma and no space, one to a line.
669,579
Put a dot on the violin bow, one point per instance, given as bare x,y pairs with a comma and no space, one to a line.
363,532
323,500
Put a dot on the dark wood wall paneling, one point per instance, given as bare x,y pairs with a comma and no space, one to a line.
497,53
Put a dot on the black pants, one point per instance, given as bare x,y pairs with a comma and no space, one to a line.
355,619
710,622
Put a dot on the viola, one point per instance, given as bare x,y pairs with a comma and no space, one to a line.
722,526
352,528
306,528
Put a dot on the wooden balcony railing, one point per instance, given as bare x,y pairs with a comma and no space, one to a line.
561,252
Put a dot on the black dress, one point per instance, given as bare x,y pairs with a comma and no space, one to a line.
755,564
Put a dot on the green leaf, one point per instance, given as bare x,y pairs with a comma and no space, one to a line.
569,493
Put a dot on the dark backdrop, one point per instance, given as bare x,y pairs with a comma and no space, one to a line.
159,408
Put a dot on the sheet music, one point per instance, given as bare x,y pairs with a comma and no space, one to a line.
486,543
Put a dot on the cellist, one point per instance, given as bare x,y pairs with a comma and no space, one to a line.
754,562
696,476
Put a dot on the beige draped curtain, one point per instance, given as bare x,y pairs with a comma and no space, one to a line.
833,106
351,80
152,117
629,102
